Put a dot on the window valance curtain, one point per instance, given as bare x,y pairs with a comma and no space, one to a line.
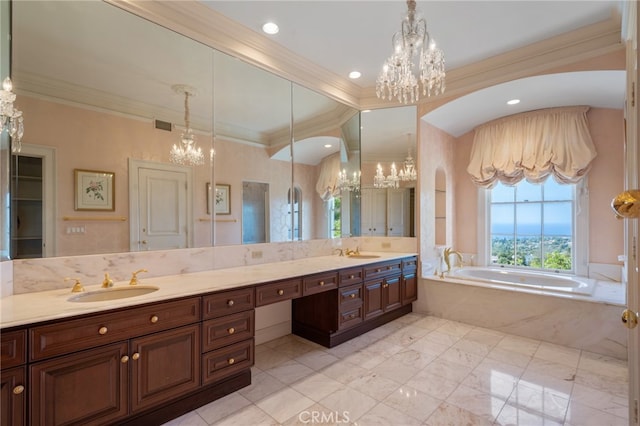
531,146
327,184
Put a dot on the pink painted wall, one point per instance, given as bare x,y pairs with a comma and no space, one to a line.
606,179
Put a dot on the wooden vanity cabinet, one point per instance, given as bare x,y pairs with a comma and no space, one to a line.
409,281
142,370
366,297
228,338
13,378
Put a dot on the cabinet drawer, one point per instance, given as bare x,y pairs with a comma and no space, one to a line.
350,318
228,302
13,350
382,269
350,276
224,331
350,296
278,291
227,361
318,283
410,264
74,335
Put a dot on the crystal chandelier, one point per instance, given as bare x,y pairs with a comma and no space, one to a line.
186,152
10,117
382,181
346,184
408,172
412,48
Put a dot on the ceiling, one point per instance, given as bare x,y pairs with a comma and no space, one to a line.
342,36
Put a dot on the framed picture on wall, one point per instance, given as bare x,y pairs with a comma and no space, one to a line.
94,190
223,199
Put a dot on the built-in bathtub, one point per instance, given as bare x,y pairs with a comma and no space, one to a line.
552,282
566,310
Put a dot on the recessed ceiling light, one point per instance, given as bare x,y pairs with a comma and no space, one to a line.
270,28
513,102
328,145
354,74
366,110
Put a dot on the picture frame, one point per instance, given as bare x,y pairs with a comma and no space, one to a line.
222,199
94,190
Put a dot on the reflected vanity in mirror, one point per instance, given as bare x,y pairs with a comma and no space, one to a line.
93,105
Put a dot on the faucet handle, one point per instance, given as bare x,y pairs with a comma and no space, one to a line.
134,276
77,287
108,282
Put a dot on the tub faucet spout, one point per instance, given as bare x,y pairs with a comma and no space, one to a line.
448,252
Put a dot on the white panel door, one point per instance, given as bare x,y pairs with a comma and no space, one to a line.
374,211
162,209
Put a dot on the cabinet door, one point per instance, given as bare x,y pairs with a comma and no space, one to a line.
12,397
392,293
373,299
409,288
164,365
87,388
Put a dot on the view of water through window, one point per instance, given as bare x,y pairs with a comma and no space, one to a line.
532,225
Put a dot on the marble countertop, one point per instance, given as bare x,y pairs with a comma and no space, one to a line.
23,309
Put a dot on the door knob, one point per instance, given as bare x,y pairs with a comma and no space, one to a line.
629,318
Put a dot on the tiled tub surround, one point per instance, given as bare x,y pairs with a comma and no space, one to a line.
581,322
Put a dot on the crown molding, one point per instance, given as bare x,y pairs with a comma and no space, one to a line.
537,58
203,24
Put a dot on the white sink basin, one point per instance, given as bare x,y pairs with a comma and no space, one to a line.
363,256
112,294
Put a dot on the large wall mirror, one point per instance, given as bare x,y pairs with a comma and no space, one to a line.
106,95
388,143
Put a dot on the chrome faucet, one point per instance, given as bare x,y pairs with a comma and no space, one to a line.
446,253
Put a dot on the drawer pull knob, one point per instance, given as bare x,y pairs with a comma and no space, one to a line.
231,361
124,359
352,295
18,390
352,316
389,268
135,356
102,331
321,283
231,330
280,292
154,319
385,285
230,303
378,270
351,276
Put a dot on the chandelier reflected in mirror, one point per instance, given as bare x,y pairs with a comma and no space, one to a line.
408,171
186,152
382,181
347,184
415,61
10,117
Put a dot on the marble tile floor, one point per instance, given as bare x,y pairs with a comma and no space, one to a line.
422,370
